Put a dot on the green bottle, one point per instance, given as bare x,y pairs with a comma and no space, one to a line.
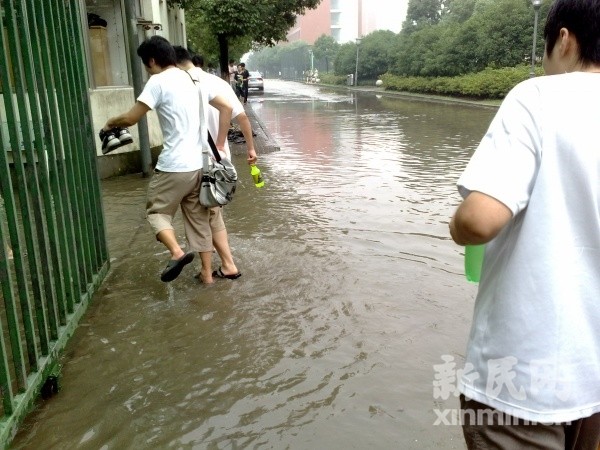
473,261
256,176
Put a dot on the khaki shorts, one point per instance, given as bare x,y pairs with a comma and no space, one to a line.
169,190
501,431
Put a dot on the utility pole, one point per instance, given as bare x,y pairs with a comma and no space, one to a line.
356,69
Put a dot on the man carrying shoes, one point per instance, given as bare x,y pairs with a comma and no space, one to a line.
174,96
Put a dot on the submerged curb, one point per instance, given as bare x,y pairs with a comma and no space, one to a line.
263,141
491,104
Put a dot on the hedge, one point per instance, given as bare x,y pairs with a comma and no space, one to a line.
488,84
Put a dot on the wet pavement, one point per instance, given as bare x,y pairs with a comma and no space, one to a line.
351,293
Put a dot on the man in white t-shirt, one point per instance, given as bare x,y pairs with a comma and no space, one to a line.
175,97
532,195
212,85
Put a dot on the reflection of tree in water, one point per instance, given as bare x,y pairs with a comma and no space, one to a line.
308,121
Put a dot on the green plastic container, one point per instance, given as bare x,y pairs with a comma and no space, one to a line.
256,176
473,261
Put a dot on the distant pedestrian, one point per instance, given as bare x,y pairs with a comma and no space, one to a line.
244,75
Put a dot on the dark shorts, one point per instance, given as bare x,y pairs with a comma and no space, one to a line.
501,431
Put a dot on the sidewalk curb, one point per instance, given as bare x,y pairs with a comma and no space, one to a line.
490,104
263,141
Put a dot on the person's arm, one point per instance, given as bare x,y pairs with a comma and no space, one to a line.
478,219
246,127
129,118
224,109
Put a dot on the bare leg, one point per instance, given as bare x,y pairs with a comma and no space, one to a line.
221,244
167,237
206,269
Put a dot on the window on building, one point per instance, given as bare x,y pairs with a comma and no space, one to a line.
336,18
336,34
106,31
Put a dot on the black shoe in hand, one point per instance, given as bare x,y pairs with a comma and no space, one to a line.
114,138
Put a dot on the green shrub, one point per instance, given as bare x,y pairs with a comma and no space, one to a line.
330,78
487,84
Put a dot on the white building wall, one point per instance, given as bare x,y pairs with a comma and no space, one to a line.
348,20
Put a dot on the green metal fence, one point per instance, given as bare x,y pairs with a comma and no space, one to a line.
53,252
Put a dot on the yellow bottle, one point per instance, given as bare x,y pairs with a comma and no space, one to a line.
256,176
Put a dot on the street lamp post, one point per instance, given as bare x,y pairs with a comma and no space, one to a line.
536,8
356,70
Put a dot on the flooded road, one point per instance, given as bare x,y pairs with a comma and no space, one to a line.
351,292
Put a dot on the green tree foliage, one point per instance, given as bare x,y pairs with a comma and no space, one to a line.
375,54
325,49
506,35
345,61
460,10
469,36
202,41
264,22
424,12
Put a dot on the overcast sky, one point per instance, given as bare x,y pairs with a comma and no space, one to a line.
388,14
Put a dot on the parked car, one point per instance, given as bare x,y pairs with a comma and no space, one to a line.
255,81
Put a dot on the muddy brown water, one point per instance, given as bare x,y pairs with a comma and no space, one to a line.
351,292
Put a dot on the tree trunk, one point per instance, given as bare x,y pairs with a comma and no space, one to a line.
223,56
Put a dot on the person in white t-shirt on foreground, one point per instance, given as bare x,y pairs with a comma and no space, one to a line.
213,85
175,97
532,195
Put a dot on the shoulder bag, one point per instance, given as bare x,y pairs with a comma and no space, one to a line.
219,178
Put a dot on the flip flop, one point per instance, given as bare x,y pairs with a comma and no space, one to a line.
175,266
219,274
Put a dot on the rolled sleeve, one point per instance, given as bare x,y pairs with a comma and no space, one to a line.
504,165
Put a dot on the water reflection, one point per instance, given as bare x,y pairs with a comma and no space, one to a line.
379,165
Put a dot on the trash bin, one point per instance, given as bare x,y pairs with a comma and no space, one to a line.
350,79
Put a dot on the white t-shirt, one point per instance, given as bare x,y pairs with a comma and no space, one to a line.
534,346
213,86
174,96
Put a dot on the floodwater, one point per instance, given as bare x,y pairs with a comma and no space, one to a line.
351,293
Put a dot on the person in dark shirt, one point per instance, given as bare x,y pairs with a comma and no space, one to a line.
243,74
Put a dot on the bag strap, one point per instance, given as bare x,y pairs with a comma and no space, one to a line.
214,147
210,139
